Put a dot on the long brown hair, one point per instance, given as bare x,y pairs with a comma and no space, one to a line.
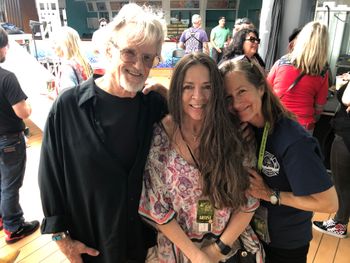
221,151
272,108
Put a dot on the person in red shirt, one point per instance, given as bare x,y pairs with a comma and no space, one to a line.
300,78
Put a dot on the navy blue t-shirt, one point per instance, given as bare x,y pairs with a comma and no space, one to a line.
292,163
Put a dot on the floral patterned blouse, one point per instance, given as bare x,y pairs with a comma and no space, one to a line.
172,189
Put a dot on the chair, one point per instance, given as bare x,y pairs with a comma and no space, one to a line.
177,54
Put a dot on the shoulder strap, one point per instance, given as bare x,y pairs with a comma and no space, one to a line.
192,35
293,84
75,73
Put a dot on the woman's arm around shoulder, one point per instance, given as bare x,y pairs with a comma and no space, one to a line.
324,202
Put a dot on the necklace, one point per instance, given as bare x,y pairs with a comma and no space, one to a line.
194,137
189,148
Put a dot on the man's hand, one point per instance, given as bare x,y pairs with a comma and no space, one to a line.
73,249
218,50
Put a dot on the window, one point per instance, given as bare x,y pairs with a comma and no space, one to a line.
90,7
222,4
184,4
101,6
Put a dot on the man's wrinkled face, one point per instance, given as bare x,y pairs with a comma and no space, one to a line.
131,62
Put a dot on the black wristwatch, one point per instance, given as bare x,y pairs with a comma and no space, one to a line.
224,249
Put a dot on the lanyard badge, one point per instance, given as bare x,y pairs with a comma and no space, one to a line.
263,146
205,215
259,221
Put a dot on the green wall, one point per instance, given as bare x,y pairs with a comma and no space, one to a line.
250,9
76,16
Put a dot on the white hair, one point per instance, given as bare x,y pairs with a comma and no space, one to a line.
150,25
196,18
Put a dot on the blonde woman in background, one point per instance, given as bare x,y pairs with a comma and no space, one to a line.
300,78
74,68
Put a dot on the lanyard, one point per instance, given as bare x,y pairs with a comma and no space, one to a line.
263,145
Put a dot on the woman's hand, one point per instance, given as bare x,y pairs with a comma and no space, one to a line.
73,249
247,132
213,253
258,188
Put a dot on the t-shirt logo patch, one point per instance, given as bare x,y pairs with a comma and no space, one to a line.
270,166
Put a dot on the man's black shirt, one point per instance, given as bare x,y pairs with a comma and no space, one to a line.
84,188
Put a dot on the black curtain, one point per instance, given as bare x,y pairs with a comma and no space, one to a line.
276,20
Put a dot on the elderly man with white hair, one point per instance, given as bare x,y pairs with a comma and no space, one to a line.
95,146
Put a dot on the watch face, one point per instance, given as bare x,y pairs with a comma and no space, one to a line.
273,199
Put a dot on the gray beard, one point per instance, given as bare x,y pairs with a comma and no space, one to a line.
131,88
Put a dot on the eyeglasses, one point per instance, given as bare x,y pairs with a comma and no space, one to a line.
129,55
253,40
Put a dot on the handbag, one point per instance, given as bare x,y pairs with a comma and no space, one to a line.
242,255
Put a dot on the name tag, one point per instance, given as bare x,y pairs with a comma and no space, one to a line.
205,215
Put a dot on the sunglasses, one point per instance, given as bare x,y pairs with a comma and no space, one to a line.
128,55
253,40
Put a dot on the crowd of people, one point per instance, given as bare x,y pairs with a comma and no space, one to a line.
221,160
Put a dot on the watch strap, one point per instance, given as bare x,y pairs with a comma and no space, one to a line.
224,249
276,194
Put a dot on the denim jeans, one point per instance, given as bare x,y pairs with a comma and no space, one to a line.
12,167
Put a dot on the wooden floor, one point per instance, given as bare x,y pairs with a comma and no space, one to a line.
39,248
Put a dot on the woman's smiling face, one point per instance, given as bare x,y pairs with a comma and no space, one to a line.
196,92
244,99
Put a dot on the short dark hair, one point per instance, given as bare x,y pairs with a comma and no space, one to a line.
294,34
221,17
4,40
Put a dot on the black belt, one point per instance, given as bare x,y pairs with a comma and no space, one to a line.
11,135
